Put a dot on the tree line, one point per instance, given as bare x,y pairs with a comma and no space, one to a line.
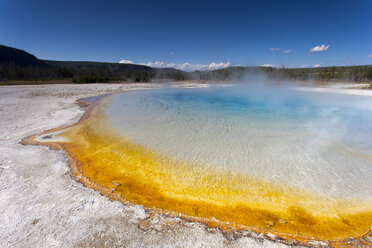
98,73
11,71
350,73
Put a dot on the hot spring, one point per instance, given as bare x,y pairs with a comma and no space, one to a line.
271,158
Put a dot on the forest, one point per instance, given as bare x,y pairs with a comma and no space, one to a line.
16,64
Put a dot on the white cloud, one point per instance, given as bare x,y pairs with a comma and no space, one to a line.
320,48
185,66
274,49
214,66
189,67
124,61
202,67
158,64
269,65
287,51
305,65
370,56
317,65
172,53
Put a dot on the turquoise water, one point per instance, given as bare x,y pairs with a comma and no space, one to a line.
320,142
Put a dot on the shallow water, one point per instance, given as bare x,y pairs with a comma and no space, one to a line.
293,162
319,142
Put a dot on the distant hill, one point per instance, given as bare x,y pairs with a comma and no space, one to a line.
16,64
22,58
87,65
112,67
18,57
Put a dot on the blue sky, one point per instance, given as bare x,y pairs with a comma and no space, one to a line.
204,34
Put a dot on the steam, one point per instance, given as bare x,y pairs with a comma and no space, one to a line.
329,115
318,141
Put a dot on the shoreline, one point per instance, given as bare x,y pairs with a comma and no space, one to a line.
42,205
226,228
348,91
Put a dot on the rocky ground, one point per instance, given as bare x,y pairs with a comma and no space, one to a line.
41,205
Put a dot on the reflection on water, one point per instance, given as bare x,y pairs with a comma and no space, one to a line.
289,161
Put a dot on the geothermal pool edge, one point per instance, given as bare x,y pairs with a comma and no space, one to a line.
225,227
